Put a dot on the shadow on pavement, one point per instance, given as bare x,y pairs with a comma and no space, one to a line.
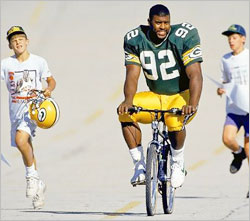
197,197
86,213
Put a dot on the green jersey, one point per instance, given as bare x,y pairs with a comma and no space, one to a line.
164,64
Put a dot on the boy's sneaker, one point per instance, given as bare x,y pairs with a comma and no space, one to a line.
139,175
237,161
38,199
32,186
177,174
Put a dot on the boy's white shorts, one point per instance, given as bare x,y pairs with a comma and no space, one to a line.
24,124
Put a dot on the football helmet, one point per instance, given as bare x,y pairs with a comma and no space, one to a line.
44,112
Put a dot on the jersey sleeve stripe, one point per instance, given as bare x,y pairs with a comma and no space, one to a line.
132,58
192,54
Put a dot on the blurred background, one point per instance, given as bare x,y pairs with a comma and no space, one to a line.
82,42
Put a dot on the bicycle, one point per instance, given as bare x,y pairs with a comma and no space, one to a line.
158,161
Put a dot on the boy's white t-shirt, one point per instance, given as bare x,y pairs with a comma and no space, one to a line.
235,70
20,77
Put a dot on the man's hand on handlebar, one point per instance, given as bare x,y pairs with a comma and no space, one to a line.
188,109
123,107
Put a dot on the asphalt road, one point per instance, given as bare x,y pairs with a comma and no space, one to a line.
84,159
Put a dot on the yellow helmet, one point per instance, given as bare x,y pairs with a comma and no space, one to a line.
45,113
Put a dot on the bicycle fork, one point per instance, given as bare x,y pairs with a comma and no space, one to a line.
162,165
162,149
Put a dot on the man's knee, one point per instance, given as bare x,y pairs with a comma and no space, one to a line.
127,124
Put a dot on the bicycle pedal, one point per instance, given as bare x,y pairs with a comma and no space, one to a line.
142,183
138,183
134,184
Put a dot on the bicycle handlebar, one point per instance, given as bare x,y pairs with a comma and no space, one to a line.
175,111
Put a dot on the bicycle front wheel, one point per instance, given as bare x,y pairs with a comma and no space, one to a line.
168,192
151,180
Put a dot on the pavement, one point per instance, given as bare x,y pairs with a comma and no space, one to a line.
83,159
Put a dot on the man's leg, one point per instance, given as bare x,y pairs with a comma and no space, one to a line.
132,135
229,139
177,139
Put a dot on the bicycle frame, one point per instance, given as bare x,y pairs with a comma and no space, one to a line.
157,132
158,164
156,121
160,144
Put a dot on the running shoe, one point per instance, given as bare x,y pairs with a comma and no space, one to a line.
38,199
237,161
32,186
177,174
139,174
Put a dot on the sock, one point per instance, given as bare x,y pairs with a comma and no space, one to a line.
239,151
178,155
137,154
31,171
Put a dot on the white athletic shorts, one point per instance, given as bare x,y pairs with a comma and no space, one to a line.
24,124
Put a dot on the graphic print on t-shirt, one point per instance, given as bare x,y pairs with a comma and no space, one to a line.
23,82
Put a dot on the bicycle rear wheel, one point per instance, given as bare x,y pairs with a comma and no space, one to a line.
151,180
168,192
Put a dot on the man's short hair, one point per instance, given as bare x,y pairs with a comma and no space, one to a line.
159,10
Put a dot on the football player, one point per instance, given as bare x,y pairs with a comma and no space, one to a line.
170,57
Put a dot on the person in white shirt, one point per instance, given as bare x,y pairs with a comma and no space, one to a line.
22,73
235,75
